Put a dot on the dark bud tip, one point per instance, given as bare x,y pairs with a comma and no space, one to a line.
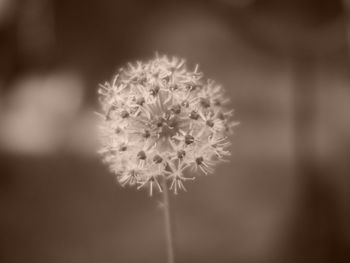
142,80
160,122
113,107
154,91
205,103
189,139
157,159
199,160
194,115
173,87
140,101
123,148
181,154
172,122
141,155
176,109
217,102
220,116
185,104
191,87
124,114
146,134
210,123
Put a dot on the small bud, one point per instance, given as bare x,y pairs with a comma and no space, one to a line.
142,80
172,122
140,101
173,87
176,109
123,148
141,155
154,90
217,102
194,115
124,114
189,139
146,134
160,122
192,87
205,103
181,154
157,159
199,160
220,116
185,104
210,123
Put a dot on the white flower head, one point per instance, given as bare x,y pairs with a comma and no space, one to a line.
160,119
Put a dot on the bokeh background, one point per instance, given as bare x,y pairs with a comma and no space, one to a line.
283,197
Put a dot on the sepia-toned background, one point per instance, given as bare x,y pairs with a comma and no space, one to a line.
283,197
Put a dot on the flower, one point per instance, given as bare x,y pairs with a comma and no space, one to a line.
160,119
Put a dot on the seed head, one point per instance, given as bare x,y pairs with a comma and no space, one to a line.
161,119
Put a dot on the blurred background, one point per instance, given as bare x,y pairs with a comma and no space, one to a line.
285,195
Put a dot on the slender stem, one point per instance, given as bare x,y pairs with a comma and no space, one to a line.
167,224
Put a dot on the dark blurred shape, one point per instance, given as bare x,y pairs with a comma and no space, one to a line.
36,34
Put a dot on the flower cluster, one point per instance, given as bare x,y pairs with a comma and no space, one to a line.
160,119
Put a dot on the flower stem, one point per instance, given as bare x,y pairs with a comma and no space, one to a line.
167,224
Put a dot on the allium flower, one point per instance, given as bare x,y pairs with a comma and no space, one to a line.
161,119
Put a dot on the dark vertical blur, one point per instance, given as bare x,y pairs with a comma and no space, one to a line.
283,197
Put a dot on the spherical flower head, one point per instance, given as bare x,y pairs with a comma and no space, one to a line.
160,119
